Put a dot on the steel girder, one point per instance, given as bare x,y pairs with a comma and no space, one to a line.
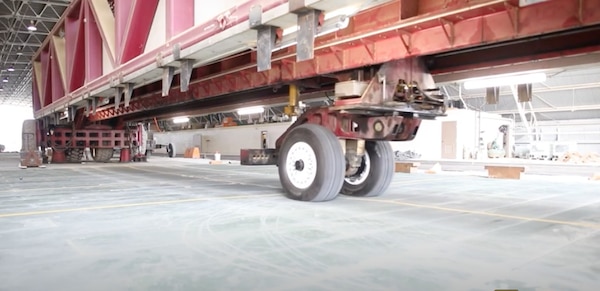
372,37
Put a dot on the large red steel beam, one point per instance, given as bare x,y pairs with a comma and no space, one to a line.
93,44
56,81
75,46
378,36
47,77
135,26
180,16
35,92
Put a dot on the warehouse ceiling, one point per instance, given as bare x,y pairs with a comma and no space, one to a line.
567,93
19,42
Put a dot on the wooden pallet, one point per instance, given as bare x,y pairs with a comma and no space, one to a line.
406,167
504,172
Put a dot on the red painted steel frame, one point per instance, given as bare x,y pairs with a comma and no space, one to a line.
180,16
375,36
125,12
62,138
358,126
93,45
134,27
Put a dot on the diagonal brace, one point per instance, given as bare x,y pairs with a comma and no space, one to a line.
167,80
185,75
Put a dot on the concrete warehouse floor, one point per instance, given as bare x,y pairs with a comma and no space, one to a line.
180,224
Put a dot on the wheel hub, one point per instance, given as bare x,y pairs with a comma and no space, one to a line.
301,165
362,173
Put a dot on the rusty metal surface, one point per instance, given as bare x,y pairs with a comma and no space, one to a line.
256,157
402,85
374,126
63,137
390,108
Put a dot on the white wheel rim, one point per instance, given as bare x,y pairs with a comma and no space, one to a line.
359,178
301,165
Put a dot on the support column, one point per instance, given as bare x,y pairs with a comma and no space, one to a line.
185,75
167,80
308,22
266,37
290,110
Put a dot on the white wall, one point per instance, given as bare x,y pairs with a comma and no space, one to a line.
428,142
584,132
204,10
158,33
225,140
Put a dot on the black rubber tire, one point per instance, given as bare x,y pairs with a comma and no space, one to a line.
74,155
381,171
330,164
102,155
171,150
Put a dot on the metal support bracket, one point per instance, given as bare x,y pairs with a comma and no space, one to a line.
72,110
492,95
88,107
448,28
185,74
128,93
308,23
125,89
266,38
255,16
118,94
167,80
513,15
405,37
94,105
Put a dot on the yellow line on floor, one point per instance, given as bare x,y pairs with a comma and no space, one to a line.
153,203
484,213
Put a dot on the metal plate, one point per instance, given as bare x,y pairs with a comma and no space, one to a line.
258,157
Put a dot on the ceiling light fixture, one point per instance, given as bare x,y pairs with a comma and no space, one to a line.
11,69
251,110
31,26
5,80
181,119
504,80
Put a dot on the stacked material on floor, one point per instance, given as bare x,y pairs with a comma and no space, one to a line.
407,155
581,158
